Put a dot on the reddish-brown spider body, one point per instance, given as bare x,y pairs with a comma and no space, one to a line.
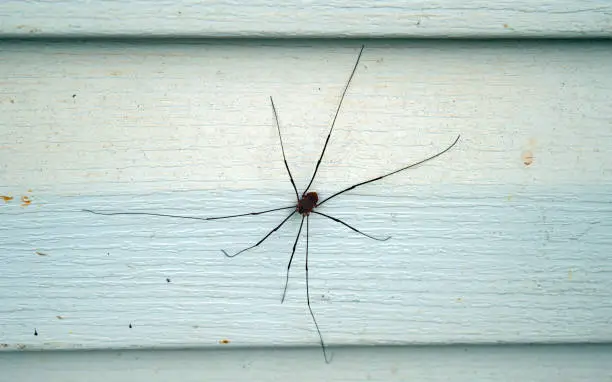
307,203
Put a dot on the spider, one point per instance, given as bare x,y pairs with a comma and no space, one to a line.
306,203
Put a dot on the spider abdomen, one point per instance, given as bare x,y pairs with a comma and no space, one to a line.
307,203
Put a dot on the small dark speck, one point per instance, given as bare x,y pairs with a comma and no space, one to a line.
130,325
167,280
107,253
35,332
74,96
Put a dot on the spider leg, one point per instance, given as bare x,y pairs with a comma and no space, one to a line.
283,149
335,117
327,359
291,259
187,217
393,172
351,227
262,240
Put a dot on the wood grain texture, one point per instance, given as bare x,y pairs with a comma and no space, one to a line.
504,239
339,18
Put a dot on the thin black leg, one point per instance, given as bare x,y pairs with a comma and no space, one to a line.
187,217
334,120
262,240
327,360
393,172
297,196
291,259
351,227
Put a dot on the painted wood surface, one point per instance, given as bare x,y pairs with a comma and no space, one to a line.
504,239
437,363
317,18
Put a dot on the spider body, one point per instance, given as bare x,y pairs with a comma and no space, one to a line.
307,203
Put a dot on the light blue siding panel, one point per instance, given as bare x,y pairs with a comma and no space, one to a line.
504,239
